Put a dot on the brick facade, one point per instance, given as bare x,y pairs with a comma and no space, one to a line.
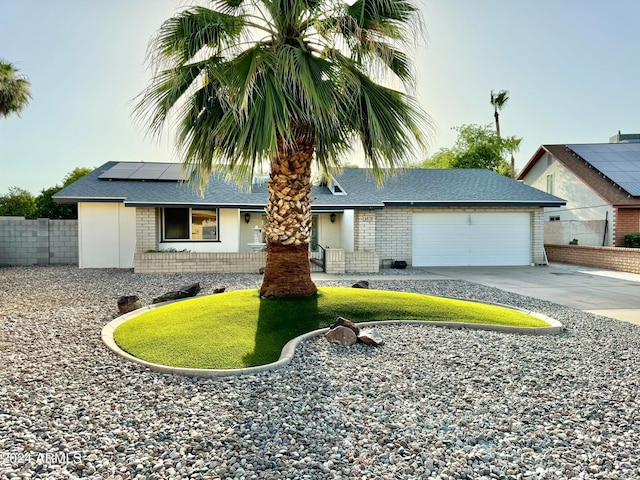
364,231
627,221
40,241
199,262
147,229
362,262
610,258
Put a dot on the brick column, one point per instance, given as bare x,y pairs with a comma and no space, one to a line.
364,231
537,236
147,229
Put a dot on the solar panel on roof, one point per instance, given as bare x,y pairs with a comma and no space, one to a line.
620,162
143,171
174,172
148,171
121,170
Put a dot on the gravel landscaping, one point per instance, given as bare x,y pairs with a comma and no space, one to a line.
429,403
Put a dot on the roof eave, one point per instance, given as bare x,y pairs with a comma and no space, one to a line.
88,199
477,203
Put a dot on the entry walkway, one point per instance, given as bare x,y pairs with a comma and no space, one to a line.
602,292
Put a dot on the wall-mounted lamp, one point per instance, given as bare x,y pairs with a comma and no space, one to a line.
332,217
247,217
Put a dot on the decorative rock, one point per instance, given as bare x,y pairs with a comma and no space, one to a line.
261,270
184,292
529,407
128,303
341,335
361,284
370,337
343,322
219,290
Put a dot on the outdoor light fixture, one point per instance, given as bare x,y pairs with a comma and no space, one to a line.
247,217
332,217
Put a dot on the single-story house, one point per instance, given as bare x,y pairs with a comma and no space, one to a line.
601,183
129,212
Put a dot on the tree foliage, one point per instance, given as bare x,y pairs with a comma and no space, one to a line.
15,89
19,202
477,146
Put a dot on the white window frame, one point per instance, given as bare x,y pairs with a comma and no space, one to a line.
191,226
550,183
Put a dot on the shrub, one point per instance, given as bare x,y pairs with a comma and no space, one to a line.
632,240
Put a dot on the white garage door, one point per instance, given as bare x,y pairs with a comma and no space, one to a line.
471,239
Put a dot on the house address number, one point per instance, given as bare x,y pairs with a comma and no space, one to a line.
368,218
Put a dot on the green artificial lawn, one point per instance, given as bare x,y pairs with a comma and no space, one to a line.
239,329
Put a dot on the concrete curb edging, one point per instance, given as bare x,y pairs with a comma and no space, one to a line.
290,347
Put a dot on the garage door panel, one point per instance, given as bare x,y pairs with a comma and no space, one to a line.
471,239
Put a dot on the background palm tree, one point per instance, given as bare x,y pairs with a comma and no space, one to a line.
15,89
498,101
291,83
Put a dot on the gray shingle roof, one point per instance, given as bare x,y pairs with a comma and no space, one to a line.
410,187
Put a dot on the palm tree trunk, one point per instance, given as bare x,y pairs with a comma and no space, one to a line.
287,271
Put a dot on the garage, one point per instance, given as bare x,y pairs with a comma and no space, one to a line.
471,239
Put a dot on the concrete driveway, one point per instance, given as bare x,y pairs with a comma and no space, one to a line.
603,292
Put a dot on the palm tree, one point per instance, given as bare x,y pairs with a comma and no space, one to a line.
14,90
288,82
498,101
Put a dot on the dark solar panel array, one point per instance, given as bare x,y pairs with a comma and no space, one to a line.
144,171
620,162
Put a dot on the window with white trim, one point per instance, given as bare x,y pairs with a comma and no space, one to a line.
550,184
189,224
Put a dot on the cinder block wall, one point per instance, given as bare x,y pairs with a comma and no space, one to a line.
63,241
611,258
41,241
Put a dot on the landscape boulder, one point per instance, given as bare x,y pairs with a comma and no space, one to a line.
342,336
183,292
361,284
219,290
343,322
128,303
338,333
370,337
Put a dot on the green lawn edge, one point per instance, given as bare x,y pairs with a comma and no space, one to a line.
238,329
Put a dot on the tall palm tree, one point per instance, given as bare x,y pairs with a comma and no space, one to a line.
498,101
288,82
15,89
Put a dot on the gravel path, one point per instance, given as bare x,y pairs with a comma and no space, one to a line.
429,403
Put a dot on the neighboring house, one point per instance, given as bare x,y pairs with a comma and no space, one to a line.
129,211
601,183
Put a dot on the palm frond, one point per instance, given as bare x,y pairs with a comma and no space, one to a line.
181,38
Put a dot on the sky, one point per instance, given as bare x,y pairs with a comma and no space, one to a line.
570,66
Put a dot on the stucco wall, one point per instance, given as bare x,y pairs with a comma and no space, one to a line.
583,204
106,235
